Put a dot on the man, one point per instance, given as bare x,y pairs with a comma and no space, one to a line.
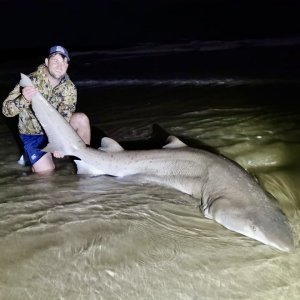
52,81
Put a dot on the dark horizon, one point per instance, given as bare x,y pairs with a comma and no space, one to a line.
115,23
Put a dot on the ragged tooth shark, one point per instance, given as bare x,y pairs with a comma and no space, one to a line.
226,192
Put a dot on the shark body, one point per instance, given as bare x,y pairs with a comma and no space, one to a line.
226,192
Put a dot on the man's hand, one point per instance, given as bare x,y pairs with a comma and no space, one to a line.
28,92
58,154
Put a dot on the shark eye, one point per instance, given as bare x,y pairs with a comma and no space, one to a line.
253,227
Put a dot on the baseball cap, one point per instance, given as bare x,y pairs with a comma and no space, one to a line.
60,50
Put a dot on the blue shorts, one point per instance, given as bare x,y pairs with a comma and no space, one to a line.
33,143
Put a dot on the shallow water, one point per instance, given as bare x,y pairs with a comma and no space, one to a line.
67,236
75,237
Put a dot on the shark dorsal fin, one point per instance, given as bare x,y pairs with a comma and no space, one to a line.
174,143
110,145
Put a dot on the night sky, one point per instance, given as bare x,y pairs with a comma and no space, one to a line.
114,23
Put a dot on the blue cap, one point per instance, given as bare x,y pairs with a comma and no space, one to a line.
60,50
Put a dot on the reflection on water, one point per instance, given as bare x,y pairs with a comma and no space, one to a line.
77,237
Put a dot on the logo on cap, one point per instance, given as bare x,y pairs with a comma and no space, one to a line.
61,50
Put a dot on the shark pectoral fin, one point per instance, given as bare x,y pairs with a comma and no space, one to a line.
84,168
174,143
110,145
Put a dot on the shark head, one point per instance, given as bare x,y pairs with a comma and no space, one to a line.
264,223
273,230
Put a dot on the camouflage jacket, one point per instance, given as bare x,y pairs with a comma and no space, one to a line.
63,97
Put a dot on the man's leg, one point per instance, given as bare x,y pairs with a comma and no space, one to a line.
44,164
39,160
81,123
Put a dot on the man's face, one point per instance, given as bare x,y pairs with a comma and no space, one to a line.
57,66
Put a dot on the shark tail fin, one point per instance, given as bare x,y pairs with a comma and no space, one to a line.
25,81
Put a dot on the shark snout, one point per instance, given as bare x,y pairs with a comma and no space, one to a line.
272,229
274,232
284,242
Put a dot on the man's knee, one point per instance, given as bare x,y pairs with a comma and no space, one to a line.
79,119
44,164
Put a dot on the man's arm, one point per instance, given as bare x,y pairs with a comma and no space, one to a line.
14,102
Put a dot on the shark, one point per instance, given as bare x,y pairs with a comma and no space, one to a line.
225,191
